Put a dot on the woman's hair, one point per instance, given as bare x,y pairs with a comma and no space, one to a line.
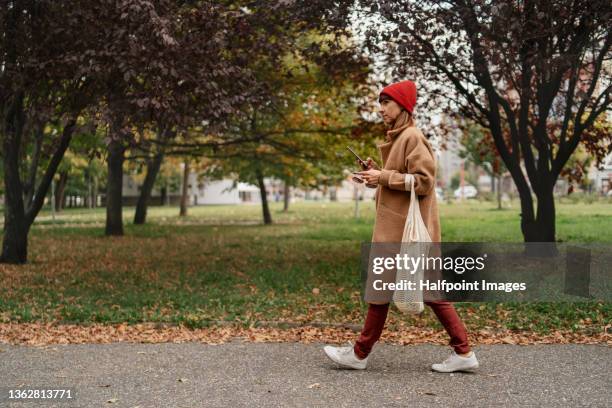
403,120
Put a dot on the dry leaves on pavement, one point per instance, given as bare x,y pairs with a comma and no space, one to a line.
38,334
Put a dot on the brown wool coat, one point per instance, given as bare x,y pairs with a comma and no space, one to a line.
406,152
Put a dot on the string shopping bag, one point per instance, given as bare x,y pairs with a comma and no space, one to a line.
415,242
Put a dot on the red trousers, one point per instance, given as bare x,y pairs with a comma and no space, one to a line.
444,310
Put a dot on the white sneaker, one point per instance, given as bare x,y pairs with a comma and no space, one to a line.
456,363
346,357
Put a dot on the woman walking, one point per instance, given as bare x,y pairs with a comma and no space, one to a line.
405,151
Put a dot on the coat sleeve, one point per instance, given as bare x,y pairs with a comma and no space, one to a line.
419,162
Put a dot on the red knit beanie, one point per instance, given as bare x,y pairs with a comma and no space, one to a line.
403,92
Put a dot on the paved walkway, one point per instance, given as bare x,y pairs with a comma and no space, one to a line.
240,374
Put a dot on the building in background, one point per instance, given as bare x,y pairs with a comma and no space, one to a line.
215,192
602,178
449,164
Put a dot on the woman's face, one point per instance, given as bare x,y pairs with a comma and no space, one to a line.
389,110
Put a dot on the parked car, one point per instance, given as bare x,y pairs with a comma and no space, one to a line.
469,191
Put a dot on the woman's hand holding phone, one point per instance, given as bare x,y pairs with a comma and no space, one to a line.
370,177
357,177
370,171
371,164
369,174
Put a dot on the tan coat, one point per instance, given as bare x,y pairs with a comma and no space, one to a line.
406,152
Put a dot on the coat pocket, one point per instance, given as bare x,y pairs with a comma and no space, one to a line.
394,212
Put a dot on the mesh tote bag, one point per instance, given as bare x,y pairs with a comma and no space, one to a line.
415,242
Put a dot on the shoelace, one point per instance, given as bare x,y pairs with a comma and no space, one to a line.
449,359
348,349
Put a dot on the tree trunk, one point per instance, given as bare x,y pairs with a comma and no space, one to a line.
17,217
30,185
52,201
542,228
89,192
60,191
114,186
183,211
163,193
94,193
546,216
15,241
153,166
286,198
499,194
267,217
333,193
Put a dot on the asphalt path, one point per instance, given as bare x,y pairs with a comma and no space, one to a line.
240,374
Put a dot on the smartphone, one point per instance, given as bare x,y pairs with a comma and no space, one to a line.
361,162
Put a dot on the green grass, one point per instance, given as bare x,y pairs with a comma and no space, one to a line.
220,263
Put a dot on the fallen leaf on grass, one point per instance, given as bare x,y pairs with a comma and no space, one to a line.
37,334
508,340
